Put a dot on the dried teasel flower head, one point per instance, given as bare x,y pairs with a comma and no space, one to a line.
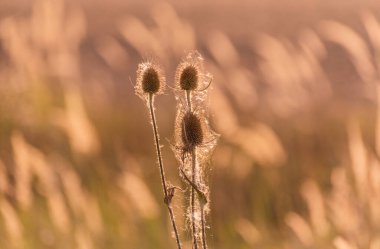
190,75
150,80
192,82
189,78
192,132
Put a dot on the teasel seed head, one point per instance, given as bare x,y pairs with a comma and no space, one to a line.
150,80
192,133
189,74
189,78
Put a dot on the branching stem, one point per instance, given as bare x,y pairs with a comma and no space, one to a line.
203,200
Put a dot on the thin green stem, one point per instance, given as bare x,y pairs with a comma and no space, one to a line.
167,198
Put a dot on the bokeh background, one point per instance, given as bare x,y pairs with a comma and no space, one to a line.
295,97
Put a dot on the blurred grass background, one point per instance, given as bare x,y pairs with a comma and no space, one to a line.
295,97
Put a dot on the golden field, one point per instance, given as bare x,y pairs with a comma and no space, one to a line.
295,97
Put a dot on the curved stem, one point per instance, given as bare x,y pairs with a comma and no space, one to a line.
167,198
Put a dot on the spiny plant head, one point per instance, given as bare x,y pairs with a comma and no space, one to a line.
150,80
192,133
189,73
189,78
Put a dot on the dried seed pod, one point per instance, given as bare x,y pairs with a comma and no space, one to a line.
189,78
150,80
189,73
192,133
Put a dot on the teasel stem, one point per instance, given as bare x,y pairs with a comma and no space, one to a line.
188,99
193,179
167,198
203,202
203,221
